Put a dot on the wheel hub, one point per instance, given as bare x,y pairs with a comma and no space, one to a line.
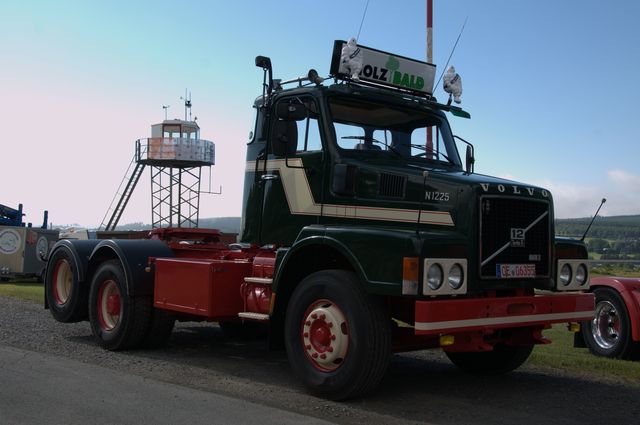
109,305
62,282
605,327
325,335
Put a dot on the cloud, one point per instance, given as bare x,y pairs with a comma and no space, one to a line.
629,181
572,200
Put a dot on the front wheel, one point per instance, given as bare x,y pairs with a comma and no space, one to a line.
502,359
337,336
118,321
608,334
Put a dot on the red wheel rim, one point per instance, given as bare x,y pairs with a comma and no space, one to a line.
62,282
325,335
109,305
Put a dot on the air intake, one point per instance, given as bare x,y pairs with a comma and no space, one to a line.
392,186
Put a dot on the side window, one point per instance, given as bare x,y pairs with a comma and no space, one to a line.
419,144
309,131
296,127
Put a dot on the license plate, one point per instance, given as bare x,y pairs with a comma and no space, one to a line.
513,271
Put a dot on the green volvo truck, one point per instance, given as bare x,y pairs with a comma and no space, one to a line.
364,232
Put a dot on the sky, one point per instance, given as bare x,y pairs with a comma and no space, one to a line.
550,86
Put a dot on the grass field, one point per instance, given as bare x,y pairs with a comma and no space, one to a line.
30,291
559,355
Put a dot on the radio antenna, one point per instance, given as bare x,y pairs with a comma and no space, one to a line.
362,21
187,104
594,217
451,54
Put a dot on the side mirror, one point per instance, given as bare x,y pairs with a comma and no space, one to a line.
291,111
470,159
284,138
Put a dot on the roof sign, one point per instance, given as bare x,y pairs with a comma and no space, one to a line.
384,68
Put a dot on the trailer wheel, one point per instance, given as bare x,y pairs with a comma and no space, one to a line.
118,321
502,359
67,297
608,334
337,336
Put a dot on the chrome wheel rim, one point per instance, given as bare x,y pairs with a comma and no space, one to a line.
605,327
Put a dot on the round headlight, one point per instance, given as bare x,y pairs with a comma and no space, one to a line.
456,276
581,274
565,275
434,276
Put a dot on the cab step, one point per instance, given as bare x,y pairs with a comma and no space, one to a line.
258,317
259,280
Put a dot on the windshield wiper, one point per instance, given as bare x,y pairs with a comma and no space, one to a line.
372,140
427,151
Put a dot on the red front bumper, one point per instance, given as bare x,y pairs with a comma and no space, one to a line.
435,317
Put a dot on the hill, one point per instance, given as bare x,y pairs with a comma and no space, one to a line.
620,227
612,228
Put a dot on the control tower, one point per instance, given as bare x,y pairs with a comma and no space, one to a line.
175,155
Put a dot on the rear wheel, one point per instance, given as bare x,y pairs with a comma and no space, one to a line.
337,336
608,334
502,359
66,295
118,321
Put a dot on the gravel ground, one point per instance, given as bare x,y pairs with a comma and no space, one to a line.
418,388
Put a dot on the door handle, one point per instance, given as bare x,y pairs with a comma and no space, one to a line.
268,177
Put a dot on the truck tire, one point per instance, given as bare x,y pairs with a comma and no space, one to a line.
502,359
609,333
118,321
160,328
337,337
67,297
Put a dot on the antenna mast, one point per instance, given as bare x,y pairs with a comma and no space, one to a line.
429,145
187,104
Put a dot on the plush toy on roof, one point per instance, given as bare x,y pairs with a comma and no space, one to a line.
452,84
351,59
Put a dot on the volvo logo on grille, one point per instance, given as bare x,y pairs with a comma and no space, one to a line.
517,237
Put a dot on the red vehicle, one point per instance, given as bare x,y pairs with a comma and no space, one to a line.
615,329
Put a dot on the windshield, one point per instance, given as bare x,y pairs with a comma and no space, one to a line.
382,129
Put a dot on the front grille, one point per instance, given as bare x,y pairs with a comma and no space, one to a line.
391,185
513,233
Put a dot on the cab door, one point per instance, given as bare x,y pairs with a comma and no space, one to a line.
292,176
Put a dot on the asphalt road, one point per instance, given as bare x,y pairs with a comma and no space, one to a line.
56,372
40,388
